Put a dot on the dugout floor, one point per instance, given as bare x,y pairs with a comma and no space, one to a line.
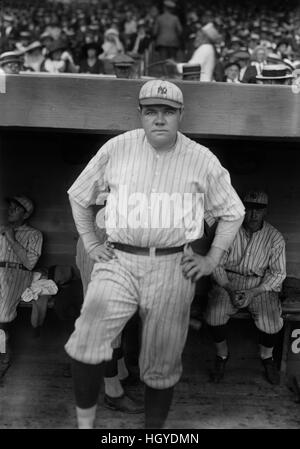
35,395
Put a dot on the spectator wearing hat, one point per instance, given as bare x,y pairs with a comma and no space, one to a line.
33,57
205,54
59,60
46,40
112,45
20,249
253,42
10,62
235,43
258,61
232,72
167,32
250,276
275,74
243,58
91,63
24,40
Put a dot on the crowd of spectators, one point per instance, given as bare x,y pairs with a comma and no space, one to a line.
85,37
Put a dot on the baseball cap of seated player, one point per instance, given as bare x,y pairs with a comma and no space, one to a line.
256,199
23,201
156,92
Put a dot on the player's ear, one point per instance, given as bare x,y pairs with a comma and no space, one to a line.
181,113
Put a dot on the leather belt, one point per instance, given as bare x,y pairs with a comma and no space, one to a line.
13,265
243,275
146,251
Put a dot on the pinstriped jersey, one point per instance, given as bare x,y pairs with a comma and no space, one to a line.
133,170
260,255
13,281
29,238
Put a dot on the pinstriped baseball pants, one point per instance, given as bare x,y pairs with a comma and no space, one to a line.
264,308
156,286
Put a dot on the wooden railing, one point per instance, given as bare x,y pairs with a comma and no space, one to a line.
93,103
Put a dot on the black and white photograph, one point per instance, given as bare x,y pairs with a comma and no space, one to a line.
149,218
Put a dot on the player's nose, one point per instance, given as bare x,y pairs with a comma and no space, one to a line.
160,117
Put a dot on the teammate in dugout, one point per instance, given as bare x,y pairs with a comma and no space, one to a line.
20,249
147,263
250,276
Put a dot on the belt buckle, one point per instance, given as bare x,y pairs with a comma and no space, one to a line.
152,251
10,265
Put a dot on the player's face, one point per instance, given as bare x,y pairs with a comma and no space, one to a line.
161,124
15,213
254,218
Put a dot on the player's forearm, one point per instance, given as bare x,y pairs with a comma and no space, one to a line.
214,255
220,276
84,221
226,232
21,253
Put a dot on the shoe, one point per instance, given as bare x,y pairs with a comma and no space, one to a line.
218,372
271,372
130,381
122,404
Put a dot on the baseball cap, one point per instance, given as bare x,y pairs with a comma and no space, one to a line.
156,92
23,201
256,199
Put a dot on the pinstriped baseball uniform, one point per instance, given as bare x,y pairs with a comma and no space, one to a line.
85,264
155,284
13,281
251,261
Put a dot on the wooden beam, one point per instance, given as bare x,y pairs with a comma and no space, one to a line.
98,104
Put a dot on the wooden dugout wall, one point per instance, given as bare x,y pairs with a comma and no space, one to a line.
44,119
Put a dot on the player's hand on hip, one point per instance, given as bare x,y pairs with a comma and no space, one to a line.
103,253
194,266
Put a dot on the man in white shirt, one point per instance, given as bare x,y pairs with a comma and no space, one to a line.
205,53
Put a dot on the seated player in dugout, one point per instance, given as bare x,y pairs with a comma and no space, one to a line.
116,374
250,276
20,249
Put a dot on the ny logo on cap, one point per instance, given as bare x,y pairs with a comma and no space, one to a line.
253,196
162,90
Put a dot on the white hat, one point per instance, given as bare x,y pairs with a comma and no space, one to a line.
211,32
161,92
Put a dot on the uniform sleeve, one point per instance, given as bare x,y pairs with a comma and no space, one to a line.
276,272
219,275
34,248
223,204
91,182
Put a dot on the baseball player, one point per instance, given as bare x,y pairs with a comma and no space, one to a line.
115,371
250,275
20,249
161,184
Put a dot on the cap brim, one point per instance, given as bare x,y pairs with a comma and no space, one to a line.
14,200
160,101
250,205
